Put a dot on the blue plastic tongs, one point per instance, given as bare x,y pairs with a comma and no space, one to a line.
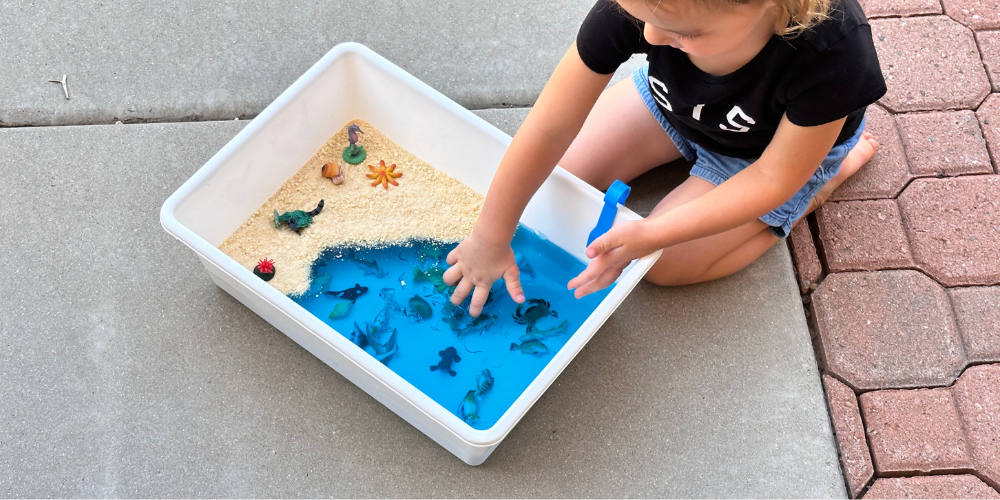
616,194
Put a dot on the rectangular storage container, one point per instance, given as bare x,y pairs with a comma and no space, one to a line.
352,82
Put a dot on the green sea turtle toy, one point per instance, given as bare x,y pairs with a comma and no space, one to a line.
354,153
298,219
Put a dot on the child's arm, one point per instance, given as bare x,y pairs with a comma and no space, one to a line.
554,121
786,165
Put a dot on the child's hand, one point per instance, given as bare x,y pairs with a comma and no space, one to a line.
612,252
478,263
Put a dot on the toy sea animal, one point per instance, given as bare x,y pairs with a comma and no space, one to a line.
419,307
389,298
523,266
534,310
530,347
341,310
469,409
333,172
481,322
435,275
264,269
430,252
298,219
370,339
354,153
447,357
484,382
350,294
384,175
371,268
321,281
544,334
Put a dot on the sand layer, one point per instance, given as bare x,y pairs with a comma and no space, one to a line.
427,204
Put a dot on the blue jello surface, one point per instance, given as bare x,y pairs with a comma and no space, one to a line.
401,315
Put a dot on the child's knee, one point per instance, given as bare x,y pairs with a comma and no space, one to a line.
672,277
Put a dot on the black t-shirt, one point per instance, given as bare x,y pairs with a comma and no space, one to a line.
824,74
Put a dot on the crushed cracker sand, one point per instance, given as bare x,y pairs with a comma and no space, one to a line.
427,204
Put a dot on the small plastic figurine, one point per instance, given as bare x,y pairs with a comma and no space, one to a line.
333,172
298,219
530,347
350,294
468,410
448,356
355,153
384,175
484,382
264,269
533,310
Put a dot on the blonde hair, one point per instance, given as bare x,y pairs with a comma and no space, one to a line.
794,16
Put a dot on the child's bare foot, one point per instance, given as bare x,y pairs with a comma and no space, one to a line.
856,158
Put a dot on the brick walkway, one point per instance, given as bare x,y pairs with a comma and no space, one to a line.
900,270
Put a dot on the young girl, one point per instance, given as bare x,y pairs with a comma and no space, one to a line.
767,96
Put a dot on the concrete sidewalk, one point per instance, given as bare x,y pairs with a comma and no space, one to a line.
190,60
125,372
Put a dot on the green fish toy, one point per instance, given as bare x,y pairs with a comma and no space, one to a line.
537,334
469,409
419,308
341,310
530,347
435,275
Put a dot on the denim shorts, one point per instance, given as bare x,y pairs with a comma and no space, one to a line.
717,168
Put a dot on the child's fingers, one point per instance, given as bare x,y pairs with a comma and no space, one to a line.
605,279
479,296
593,270
452,257
452,275
604,244
512,278
461,291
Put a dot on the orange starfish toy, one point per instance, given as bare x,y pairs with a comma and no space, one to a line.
384,175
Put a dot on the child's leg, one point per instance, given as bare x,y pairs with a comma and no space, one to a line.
619,140
859,155
722,254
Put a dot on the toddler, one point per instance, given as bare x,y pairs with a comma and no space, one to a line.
768,97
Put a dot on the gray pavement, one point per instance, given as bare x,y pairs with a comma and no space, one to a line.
194,60
125,372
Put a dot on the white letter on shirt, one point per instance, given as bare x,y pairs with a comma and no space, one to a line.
660,98
736,111
696,113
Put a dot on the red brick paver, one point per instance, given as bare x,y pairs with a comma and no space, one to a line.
944,143
977,310
954,228
886,174
962,486
989,120
850,430
894,8
887,329
807,265
977,394
930,63
846,229
914,431
977,14
908,263
989,47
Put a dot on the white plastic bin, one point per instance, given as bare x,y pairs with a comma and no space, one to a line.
352,82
